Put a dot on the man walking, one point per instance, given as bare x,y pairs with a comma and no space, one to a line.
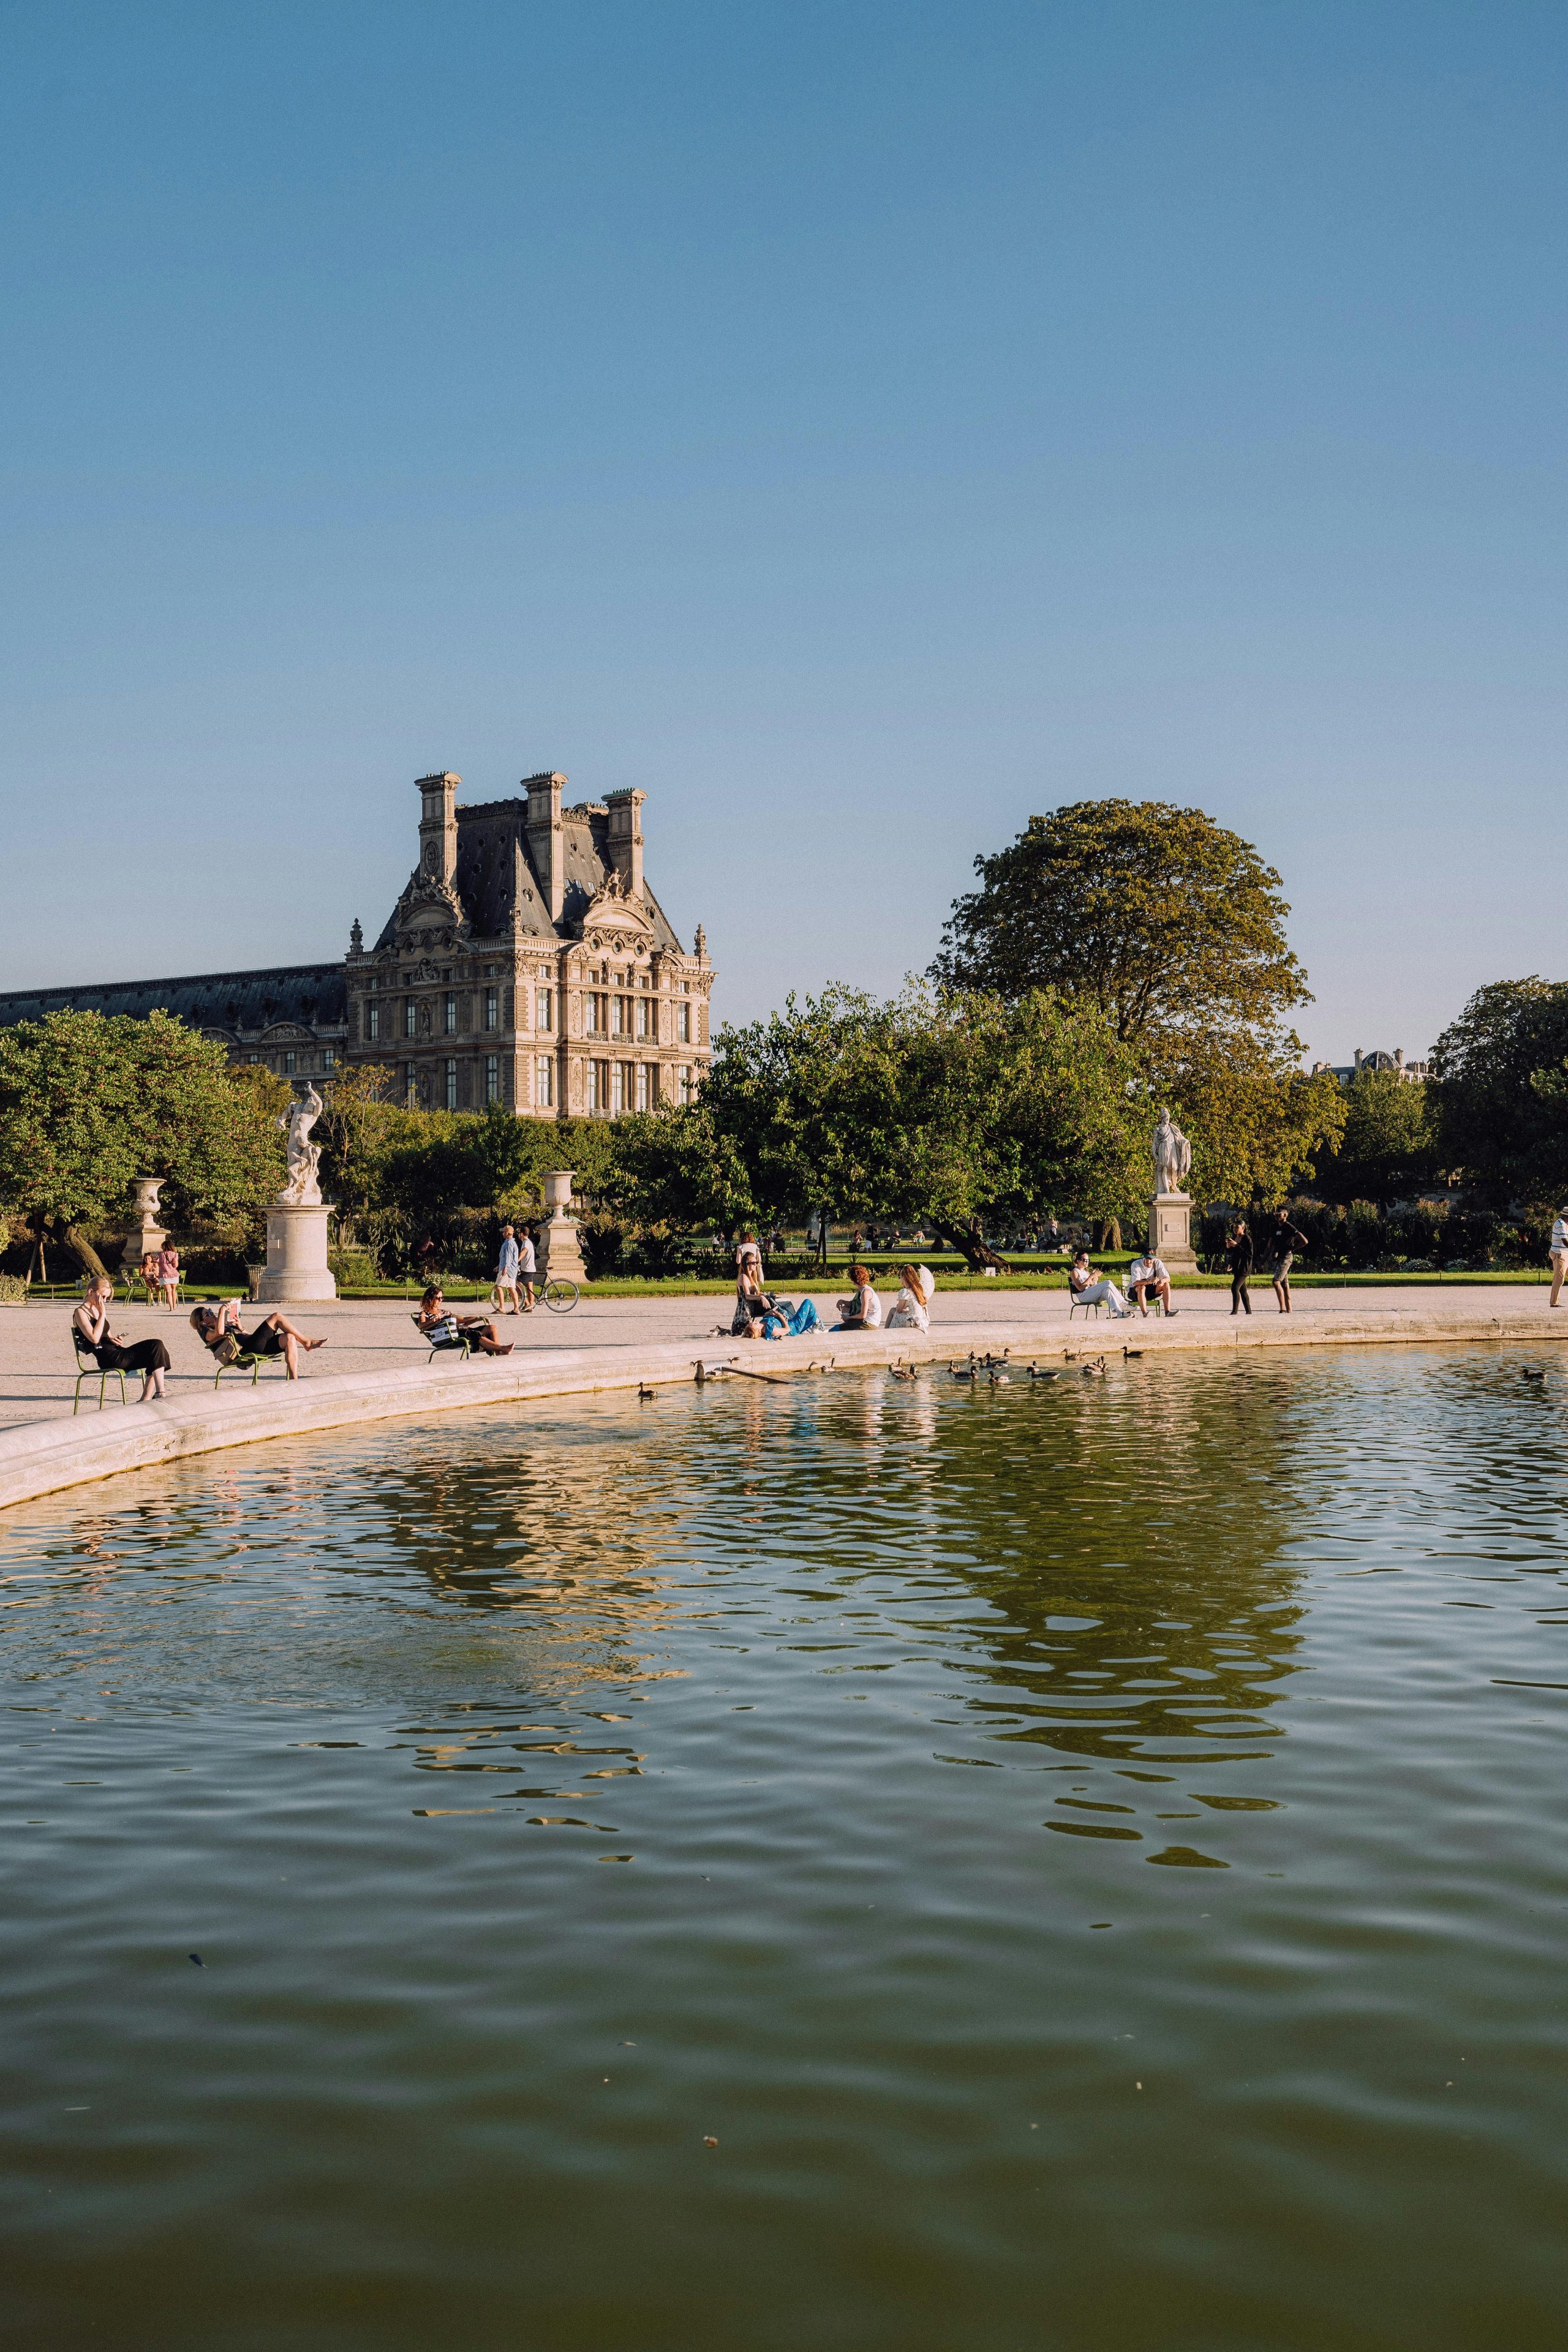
527,1266
506,1272
1239,1258
1284,1241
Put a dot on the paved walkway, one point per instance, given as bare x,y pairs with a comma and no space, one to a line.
37,1370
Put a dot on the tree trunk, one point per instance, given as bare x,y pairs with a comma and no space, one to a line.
86,1257
1107,1234
975,1250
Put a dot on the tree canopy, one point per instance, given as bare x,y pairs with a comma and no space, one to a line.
1386,1149
1156,915
88,1103
1501,1077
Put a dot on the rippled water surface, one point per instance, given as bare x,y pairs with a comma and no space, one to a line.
1092,1855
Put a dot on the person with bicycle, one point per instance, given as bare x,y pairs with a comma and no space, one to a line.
528,1267
506,1273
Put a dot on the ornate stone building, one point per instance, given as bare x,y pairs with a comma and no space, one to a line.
528,962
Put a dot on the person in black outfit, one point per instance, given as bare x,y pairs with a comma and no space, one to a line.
1239,1258
1284,1241
94,1338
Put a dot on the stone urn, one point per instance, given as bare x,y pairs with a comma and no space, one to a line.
559,1252
146,1234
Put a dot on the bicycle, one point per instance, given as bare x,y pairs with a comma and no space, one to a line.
559,1295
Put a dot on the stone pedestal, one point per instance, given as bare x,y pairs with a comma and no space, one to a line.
297,1270
1171,1230
559,1252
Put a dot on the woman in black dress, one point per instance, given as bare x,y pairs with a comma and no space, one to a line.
148,1357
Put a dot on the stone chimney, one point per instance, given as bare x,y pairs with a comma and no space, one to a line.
438,827
546,840
625,839
1358,1057
1399,1057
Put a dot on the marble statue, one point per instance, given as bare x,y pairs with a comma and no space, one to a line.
1173,1156
302,1190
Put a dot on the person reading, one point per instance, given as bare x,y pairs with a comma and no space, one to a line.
1150,1273
1088,1292
862,1311
217,1328
445,1329
109,1351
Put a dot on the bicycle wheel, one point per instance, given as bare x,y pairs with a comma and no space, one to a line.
560,1296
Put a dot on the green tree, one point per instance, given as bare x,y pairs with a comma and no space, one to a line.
936,1110
1160,917
1255,1120
1386,1147
88,1104
1501,1077
674,1173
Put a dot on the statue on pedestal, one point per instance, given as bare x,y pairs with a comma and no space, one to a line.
301,1188
1173,1156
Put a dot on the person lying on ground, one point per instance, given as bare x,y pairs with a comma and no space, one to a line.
442,1328
863,1310
110,1352
783,1321
1150,1273
1087,1292
911,1308
217,1328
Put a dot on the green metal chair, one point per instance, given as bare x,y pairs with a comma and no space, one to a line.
86,1363
442,1346
246,1362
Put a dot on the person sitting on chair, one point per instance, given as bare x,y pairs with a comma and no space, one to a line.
217,1328
1150,1273
863,1312
148,1357
1087,1292
147,1275
443,1328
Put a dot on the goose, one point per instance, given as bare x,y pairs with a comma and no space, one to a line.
644,1394
1095,1371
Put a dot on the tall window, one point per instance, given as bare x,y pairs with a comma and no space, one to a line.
372,1021
410,1086
644,1086
686,1024
686,1082
545,1083
623,1027
546,1008
451,1085
451,1016
289,1066
492,1008
492,1078
618,1087
329,1057
409,1023
644,1009
599,1086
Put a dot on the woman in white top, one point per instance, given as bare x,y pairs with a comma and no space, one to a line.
911,1308
863,1312
1559,1254
1087,1292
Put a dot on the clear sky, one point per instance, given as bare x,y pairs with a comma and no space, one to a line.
859,426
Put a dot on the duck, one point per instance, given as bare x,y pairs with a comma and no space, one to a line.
1036,1374
963,1372
1001,1379
644,1394
1095,1371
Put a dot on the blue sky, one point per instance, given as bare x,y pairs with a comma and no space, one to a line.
859,426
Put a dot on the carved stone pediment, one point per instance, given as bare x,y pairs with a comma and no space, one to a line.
429,913
612,920
287,1033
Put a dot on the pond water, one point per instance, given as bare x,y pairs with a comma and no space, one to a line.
866,1863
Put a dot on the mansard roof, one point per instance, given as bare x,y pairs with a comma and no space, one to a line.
311,995
498,887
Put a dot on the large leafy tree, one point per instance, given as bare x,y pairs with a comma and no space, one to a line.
1172,930
676,1171
1500,1075
940,1110
1386,1147
1160,917
88,1104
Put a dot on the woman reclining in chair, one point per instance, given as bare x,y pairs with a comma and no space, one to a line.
217,1328
94,1338
445,1329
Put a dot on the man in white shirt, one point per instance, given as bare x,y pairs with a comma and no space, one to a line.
1559,1247
506,1272
527,1266
1150,1273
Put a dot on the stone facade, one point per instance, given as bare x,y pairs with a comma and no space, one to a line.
1416,1072
528,962
292,1017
